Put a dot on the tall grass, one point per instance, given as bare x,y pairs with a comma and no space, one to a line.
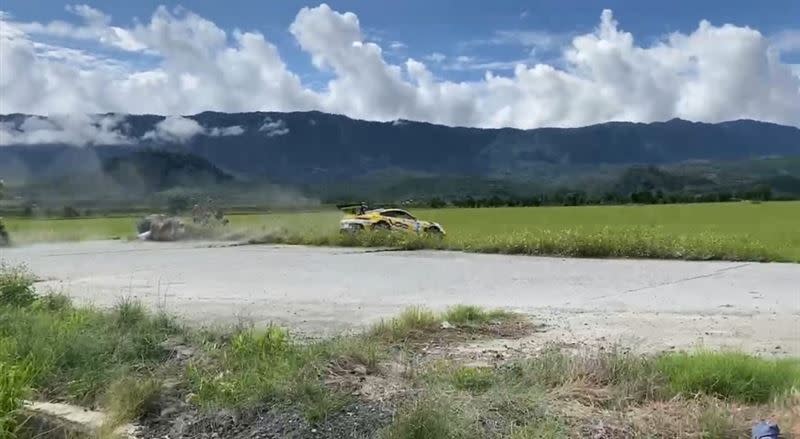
727,375
131,397
558,393
75,353
732,376
14,386
634,242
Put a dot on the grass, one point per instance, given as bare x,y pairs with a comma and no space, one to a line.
16,286
737,231
470,315
256,367
417,322
716,423
75,353
472,379
478,402
725,231
26,231
607,393
14,382
117,360
730,376
52,350
433,417
131,397
412,322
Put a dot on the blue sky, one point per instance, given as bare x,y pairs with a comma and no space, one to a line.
491,33
468,62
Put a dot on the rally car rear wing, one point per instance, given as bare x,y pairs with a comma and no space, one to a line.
353,208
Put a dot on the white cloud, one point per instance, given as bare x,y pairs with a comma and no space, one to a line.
465,63
275,128
174,129
96,26
436,57
200,68
398,45
179,129
527,38
234,130
787,41
76,130
712,74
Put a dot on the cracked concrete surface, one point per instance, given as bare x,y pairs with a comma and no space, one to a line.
49,419
326,290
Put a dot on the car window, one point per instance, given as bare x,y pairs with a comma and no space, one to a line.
398,214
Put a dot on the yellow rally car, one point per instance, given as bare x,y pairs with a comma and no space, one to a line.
360,218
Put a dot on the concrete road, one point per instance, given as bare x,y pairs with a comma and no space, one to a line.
325,290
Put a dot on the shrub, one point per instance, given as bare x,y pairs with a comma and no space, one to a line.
16,286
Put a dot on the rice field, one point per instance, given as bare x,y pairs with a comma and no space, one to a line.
728,231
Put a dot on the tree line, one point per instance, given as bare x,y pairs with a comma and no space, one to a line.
582,198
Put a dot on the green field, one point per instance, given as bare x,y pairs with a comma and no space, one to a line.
734,231
27,231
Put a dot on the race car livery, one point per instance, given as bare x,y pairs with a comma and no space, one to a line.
360,219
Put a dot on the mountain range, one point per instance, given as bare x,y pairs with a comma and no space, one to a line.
313,148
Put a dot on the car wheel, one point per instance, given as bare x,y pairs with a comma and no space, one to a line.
381,226
434,232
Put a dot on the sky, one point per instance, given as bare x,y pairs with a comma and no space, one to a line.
507,63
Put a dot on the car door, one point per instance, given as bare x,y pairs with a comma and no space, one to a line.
401,220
